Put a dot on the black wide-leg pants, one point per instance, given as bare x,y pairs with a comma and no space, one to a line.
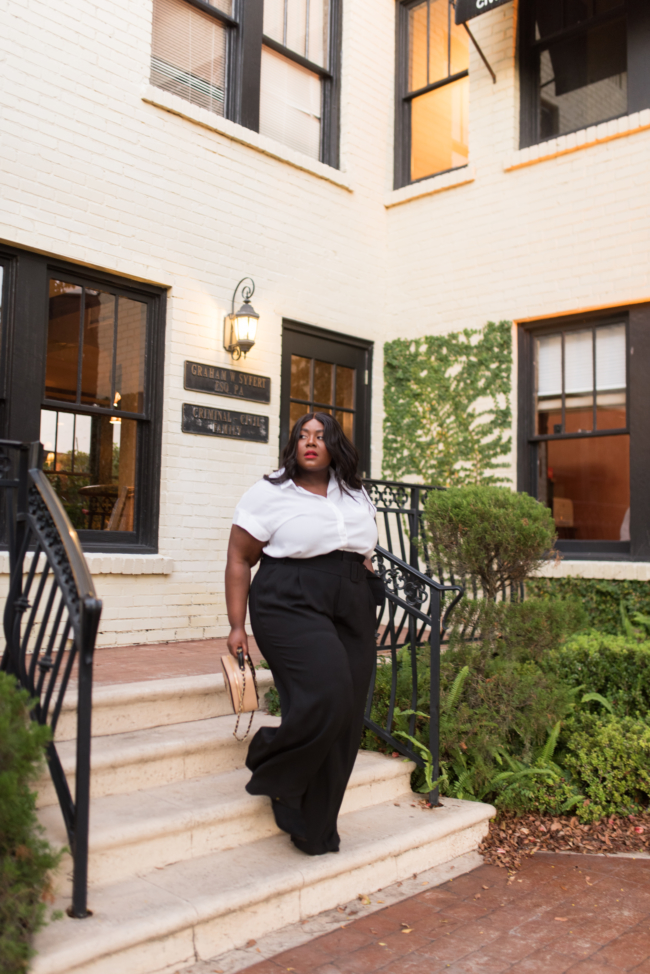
314,622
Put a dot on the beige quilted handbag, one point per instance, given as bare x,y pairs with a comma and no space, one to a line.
240,681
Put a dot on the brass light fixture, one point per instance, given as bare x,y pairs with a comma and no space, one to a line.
240,328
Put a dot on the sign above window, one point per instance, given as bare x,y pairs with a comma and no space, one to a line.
466,9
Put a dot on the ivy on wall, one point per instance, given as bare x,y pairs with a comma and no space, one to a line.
447,413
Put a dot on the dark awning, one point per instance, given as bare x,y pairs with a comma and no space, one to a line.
466,9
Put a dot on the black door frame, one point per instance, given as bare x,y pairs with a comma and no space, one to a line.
360,358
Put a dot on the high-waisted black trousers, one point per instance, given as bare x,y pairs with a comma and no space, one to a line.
314,622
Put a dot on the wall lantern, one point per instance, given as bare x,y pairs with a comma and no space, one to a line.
240,328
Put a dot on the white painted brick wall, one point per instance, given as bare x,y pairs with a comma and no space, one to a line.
92,173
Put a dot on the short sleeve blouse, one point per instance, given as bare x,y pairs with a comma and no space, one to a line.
298,524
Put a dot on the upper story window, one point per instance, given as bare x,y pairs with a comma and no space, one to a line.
433,91
582,62
272,65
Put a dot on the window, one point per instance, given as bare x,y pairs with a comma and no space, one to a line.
271,65
326,372
433,91
93,398
582,62
582,441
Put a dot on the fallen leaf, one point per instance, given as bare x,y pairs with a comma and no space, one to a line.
381,943
407,930
251,943
379,901
364,899
340,909
561,919
485,887
477,896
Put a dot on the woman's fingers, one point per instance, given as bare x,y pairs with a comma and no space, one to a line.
237,640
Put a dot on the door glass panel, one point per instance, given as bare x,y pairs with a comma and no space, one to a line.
586,483
300,377
344,387
97,359
323,382
347,422
129,355
297,409
64,320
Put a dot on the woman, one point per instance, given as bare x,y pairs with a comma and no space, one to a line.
312,612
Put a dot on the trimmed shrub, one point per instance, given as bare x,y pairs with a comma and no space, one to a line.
602,599
26,858
491,534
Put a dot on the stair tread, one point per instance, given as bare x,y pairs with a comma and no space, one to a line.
180,895
127,818
114,750
123,694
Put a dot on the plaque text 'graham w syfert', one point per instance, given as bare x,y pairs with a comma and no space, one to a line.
227,382
225,422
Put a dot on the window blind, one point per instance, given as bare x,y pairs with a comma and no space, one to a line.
300,25
188,53
578,361
290,103
549,365
610,357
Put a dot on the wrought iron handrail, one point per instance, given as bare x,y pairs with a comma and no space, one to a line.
49,626
411,617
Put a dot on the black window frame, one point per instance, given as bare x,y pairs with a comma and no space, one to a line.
299,338
244,43
638,416
26,341
404,97
637,14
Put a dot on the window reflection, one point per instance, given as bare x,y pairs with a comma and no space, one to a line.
321,386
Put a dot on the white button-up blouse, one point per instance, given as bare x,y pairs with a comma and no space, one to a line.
298,524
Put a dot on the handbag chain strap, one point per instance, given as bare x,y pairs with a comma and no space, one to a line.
242,666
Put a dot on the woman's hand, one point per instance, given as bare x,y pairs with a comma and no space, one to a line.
244,551
368,564
237,640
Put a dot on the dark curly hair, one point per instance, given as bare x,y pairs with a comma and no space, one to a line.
345,459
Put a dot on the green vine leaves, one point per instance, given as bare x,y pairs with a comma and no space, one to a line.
447,406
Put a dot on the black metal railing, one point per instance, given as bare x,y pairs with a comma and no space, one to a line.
411,621
50,624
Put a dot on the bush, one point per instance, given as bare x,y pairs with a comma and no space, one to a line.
616,668
491,534
611,757
602,599
26,858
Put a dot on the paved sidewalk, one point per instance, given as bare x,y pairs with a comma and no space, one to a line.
561,913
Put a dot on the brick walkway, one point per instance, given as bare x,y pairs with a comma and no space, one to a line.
561,913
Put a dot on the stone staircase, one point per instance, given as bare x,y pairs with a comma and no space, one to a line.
185,865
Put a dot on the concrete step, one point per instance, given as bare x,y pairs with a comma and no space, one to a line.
122,763
123,707
135,833
201,907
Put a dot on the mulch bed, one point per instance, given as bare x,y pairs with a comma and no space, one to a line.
514,837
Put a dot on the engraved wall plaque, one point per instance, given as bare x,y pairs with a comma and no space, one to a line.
230,382
230,423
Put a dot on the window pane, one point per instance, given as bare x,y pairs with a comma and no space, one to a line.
317,32
347,422
290,104
418,76
611,412
91,462
323,382
300,25
610,357
586,483
578,361
344,387
439,129
274,20
583,80
64,319
549,365
300,377
459,47
129,357
188,53
439,40
297,410
97,357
